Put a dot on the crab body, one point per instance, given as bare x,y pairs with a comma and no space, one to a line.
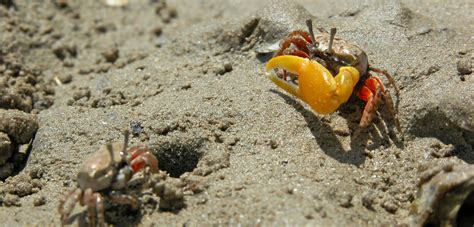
100,170
310,61
343,51
103,174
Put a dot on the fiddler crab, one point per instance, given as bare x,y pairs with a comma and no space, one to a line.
103,175
305,64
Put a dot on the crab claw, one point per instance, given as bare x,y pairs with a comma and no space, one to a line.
316,85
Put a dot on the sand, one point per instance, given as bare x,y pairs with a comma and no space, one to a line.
187,78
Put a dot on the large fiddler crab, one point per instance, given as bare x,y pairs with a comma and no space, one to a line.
104,174
308,63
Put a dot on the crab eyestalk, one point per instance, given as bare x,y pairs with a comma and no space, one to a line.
332,34
313,47
122,153
126,135
309,24
110,149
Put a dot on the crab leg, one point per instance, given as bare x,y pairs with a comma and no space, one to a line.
123,199
389,102
65,212
296,52
298,38
316,85
389,78
303,34
371,93
99,203
391,109
95,203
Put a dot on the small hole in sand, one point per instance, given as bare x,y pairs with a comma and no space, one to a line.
465,217
179,156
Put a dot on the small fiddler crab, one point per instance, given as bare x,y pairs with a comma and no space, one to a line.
105,174
307,63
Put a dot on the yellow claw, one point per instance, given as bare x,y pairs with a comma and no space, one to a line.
316,85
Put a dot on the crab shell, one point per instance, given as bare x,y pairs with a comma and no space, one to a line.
343,51
99,170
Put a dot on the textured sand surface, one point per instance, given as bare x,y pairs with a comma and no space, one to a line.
187,79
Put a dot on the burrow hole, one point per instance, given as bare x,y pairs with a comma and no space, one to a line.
465,217
179,156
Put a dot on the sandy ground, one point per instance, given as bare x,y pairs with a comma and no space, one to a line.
185,77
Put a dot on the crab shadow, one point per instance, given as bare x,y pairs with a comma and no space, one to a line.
117,215
380,133
325,136
124,215
327,139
